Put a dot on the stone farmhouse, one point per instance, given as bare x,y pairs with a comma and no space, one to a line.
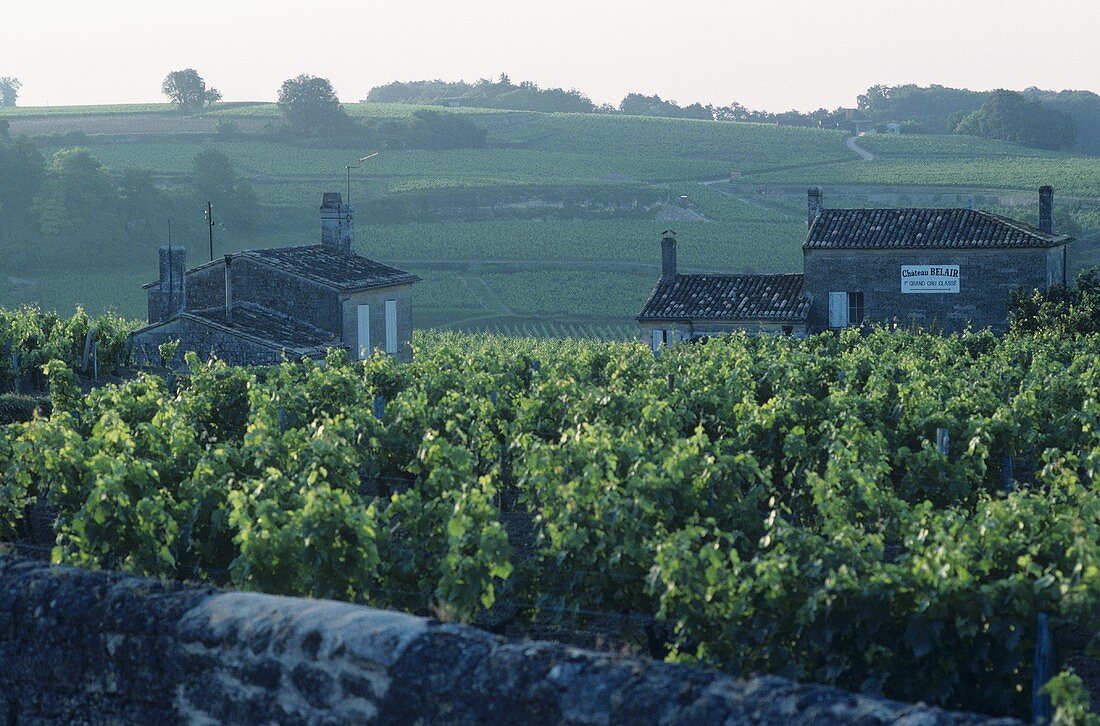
259,306
939,268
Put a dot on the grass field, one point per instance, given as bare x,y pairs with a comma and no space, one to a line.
502,242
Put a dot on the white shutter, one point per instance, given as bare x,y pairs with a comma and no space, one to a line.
391,326
838,309
657,338
364,332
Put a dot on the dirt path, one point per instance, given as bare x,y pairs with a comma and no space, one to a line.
865,155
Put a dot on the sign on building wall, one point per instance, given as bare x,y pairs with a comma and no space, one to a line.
929,278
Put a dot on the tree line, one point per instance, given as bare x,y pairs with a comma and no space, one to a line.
78,212
1062,120
1067,120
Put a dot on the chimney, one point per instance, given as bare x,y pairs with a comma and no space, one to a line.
1046,210
173,281
337,223
815,205
228,291
668,255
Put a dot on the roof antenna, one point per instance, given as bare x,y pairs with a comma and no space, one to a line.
171,282
356,166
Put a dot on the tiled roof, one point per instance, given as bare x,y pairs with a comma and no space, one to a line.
280,331
916,228
329,266
727,297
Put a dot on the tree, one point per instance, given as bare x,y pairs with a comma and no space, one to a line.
22,171
1011,116
77,206
309,104
9,90
216,181
188,90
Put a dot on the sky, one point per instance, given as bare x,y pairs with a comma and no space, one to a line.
769,54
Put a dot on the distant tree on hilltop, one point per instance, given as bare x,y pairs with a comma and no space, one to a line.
1011,116
9,90
309,104
485,93
641,105
188,90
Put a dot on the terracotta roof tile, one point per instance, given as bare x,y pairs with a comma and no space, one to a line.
329,266
916,228
727,297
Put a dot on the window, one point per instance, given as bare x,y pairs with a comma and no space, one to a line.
391,326
667,337
845,308
855,308
363,321
788,330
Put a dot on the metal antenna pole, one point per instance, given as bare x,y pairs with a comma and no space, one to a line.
349,167
170,280
210,224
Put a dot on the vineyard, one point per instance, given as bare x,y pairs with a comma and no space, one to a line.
553,222
753,504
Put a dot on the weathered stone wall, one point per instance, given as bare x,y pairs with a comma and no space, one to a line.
94,647
377,300
312,302
206,286
986,279
204,340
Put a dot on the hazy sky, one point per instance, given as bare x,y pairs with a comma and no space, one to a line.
773,55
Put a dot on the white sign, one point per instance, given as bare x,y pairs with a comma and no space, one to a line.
929,278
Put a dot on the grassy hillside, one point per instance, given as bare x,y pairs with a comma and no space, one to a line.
552,228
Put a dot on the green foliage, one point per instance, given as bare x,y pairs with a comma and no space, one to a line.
485,93
188,90
1068,311
215,180
167,352
309,104
780,507
33,338
76,201
1070,700
9,90
15,408
22,172
1013,117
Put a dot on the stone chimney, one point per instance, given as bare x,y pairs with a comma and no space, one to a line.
814,206
173,281
228,290
337,223
668,255
1046,209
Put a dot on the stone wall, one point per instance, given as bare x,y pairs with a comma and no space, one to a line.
273,289
376,299
206,286
204,340
987,277
93,647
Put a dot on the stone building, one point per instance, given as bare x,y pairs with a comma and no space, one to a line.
259,306
683,307
945,269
